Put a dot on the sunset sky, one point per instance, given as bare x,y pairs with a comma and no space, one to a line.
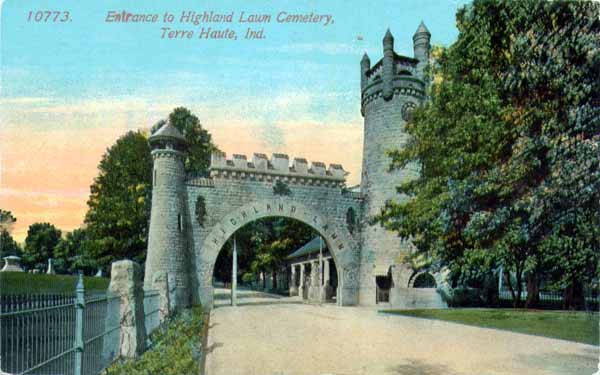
69,90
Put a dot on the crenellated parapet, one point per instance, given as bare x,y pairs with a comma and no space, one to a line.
395,74
278,167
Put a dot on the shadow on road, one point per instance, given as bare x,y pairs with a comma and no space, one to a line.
419,367
214,346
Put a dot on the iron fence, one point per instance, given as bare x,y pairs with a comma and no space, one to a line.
591,298
58,334
151,310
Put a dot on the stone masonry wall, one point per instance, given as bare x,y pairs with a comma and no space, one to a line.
231,202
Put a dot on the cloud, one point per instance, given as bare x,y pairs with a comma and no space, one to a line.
356,48
23,100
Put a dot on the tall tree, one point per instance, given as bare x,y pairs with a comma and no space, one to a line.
40,242
508,147
119,203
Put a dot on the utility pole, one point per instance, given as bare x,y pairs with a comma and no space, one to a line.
234,275
320,269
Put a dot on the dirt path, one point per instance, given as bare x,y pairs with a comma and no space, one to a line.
270,335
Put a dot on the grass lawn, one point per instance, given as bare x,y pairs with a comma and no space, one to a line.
29,283
577,326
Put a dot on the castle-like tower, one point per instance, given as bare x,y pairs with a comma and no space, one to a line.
167,248
390,90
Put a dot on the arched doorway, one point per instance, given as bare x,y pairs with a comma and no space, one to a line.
336,237
272,258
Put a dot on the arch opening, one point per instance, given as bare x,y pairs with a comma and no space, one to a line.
277,260
424,280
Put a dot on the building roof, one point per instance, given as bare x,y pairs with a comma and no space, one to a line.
167,131
422,29
310,247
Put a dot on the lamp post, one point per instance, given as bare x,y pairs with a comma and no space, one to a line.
234,275
320,269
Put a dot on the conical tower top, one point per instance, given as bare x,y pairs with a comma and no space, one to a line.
388,38
168,134
422,29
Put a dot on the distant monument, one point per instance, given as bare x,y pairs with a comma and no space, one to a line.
12,263
50,270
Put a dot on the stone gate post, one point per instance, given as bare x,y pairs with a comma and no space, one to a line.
126,283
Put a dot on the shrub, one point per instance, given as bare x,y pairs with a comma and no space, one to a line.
175,348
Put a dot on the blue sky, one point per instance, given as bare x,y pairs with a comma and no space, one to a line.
70,89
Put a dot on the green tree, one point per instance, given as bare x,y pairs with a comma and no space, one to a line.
508,148
199,140
119,203
67,250
8,246
40,242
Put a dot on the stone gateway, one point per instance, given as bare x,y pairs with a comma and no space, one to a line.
193,217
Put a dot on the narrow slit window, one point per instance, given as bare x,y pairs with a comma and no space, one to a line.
180,223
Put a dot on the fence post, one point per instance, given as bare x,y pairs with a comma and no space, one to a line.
79,307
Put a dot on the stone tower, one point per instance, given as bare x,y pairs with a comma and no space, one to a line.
167,249
390,90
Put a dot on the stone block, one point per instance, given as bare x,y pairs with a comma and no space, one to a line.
318,168
218,159
260,161
240,161
281,162
300,166
160,281
126,283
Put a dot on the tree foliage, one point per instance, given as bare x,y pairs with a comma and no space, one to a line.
119,203
508,146
69,252
8,246
40,242
263,245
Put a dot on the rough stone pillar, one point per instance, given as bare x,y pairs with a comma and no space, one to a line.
293,286
315,283
126,282
301,286
161,284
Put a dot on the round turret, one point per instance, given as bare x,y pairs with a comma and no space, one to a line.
167,245
392,89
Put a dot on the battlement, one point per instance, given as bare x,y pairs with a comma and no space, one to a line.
394,74
278,167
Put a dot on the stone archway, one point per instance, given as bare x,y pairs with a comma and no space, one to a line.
339,240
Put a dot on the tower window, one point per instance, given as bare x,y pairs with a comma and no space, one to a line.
179,223
154,179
